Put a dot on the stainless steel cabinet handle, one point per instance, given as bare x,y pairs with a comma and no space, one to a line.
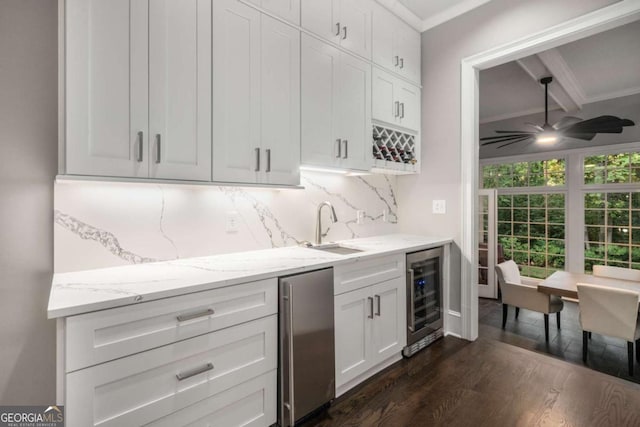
346,149
190,316
378,302
401,62
257,150
268,168
158,147
139,142
397,59
344,32
402,110
339,141
397,105
337,28
193,372
412,307
370,307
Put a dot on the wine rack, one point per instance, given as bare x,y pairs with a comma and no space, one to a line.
394,151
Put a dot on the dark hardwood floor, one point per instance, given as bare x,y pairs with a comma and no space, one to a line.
491,383
606,354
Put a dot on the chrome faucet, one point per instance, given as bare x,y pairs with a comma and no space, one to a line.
334,218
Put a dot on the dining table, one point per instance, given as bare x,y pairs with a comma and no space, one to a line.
564,283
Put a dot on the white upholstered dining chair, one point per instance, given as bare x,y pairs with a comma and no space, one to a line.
522,292
616,272
612,312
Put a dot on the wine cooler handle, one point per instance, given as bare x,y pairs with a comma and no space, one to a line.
370,316
412,306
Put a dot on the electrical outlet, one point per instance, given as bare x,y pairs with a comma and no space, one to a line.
359,217
232,222
385,215
439,207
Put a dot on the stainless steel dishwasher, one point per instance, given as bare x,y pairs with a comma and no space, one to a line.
307,366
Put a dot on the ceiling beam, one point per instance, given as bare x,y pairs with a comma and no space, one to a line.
561,72
534,66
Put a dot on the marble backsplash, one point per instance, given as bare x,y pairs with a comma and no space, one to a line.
104,224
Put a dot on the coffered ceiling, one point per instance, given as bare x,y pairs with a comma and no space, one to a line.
601,67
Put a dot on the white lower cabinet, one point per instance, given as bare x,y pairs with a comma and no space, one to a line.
370,328
147,386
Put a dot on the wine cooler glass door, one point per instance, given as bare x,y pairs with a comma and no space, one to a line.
426,309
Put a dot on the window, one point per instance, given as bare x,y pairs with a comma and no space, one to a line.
612,168
540,173
612,227
531,231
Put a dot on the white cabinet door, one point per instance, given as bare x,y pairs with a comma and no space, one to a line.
385,103
353,104
319,89
384,28
107,87
389,334
180,89
288,10
353,313
409,97
322,17
355,17
408,48
236,87
280,102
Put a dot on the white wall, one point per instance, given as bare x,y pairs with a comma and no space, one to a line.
443,47
28,162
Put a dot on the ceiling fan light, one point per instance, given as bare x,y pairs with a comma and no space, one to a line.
547,138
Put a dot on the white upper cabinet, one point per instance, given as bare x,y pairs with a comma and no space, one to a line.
180,89
256,97
107,88
288,10
138,88
396,46
395,101
336,107
344,22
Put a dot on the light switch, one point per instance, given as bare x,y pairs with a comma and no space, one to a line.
439,207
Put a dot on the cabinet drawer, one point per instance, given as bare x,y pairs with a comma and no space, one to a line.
106,335
367,272
142,388
250,404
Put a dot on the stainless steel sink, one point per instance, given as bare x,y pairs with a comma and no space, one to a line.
336,248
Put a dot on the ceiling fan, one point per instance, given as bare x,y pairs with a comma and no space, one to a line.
567,127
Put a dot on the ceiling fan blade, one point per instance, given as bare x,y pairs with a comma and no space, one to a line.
514,131
566,122
511,138
601,124
583,136
535,126
497,138
517,140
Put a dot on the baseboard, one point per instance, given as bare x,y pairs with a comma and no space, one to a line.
454,324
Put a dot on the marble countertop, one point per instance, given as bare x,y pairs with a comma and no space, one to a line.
85,291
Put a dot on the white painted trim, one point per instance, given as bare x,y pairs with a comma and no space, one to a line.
454,320
612,95
591,23
512,115
451,12
62,157
562,74
403,13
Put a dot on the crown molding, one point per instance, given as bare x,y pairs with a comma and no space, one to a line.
402,12
450,13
